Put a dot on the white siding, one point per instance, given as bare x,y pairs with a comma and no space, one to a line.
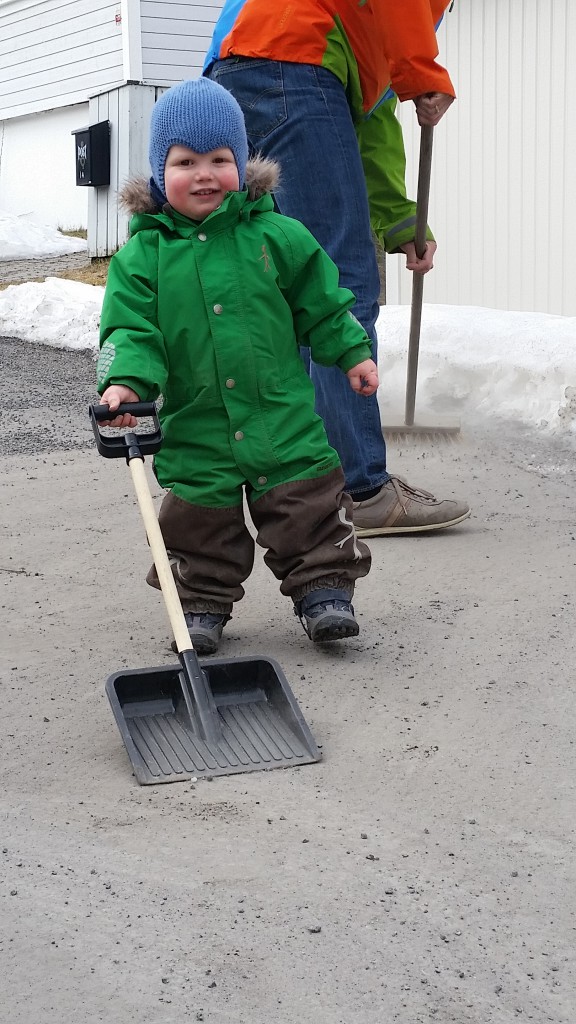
38,169
175,38
57,52
128,109
501,202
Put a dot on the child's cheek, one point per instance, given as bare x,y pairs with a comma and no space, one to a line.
176,188
231,182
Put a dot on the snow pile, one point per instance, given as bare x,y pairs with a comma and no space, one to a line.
480,363
24,238
475,364
57,312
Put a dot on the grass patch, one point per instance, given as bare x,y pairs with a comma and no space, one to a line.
95,273
74,232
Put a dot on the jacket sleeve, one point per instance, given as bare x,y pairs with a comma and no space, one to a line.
411,48
132,350
321,310
392,214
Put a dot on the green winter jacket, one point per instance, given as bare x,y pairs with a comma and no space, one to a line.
210,316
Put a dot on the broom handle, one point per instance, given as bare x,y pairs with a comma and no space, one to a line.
423,195
158,549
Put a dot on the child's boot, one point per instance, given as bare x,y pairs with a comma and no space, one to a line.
205,629
327,615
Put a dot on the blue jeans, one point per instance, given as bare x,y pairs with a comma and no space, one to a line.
298,115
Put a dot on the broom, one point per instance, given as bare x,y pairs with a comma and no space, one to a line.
427,430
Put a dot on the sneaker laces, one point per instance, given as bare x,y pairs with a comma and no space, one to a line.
405,492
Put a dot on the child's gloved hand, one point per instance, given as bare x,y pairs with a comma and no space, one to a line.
114,396
364,377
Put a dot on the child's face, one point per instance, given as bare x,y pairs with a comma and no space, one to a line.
196,183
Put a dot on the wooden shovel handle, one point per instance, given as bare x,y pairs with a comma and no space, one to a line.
158,549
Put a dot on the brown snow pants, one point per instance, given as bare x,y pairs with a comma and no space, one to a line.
305,526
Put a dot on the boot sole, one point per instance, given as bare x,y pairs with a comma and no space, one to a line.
201,644
383,531
333,628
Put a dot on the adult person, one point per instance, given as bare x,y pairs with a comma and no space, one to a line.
313,82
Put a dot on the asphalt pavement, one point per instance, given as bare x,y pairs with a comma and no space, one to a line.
423,872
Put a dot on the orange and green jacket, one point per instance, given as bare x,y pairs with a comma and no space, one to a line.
371,46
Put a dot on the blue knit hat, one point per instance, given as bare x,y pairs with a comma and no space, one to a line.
202,115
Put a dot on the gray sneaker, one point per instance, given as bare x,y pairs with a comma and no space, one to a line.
205,631
400,508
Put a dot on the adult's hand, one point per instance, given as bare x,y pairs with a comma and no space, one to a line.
431,107
413,262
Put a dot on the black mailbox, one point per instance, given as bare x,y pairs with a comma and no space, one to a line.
93,154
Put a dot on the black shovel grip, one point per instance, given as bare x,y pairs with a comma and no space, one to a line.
102,412
128,445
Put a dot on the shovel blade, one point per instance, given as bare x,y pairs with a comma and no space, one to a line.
260,725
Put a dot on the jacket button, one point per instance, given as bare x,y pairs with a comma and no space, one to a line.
262,479
238,435
217,308
201,237
230,383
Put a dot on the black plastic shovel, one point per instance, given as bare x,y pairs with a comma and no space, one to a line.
198,718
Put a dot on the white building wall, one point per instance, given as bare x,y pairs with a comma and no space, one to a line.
501,204
57,52
504,156
128,109
175,38
65,64
38,168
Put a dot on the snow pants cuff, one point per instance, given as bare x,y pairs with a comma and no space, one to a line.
211,552
306,527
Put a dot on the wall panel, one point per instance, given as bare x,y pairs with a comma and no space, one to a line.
57,52
175,38
501,201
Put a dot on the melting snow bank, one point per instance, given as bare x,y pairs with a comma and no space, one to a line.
57,312
22,238
480,363
475,364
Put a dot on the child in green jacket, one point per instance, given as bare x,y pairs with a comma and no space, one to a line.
206,308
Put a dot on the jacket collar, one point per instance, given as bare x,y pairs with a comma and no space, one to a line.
236,206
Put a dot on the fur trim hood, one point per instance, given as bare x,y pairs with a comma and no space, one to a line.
262,176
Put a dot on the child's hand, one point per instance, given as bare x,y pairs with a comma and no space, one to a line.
364,377
114,396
